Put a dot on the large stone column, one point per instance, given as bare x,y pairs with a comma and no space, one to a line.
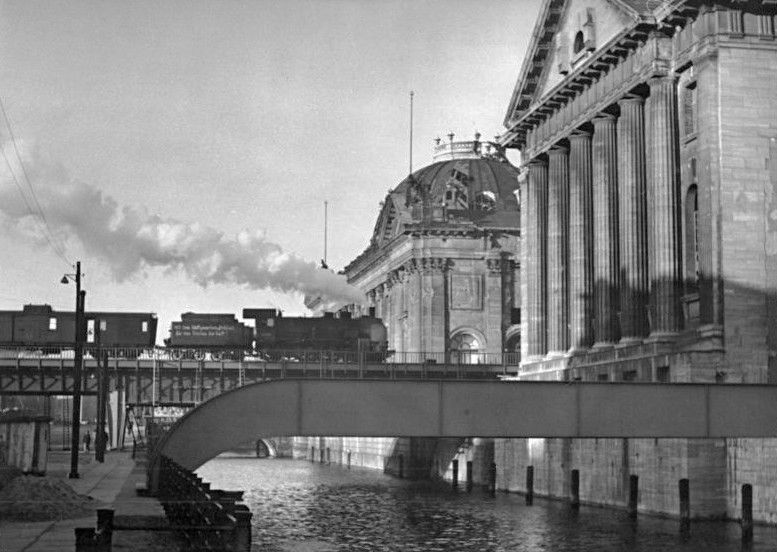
558,230
663,204
632,213
580,242
535,258
606,264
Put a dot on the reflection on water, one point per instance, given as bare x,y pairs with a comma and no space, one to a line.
303,506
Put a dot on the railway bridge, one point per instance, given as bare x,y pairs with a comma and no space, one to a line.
164,377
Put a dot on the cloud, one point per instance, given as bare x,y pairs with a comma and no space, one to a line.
129,239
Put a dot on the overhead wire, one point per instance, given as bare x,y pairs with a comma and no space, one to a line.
48,233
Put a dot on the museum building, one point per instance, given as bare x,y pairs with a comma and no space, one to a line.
648,136
440,269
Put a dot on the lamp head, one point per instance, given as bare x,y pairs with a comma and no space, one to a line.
64,280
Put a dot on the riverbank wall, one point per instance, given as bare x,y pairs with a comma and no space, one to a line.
411,458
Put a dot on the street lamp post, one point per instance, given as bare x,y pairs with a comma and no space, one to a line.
77,362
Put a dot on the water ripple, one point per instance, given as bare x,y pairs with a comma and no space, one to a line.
302,506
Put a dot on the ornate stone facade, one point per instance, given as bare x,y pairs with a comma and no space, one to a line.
654,126
440,270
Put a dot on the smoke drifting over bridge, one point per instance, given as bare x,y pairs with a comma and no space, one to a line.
129,239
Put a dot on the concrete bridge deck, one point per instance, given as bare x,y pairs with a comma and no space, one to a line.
470,408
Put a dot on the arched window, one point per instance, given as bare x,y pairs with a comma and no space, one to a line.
513,349
465,348
692,239
579,42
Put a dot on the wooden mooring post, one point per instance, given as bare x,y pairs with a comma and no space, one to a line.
685,505
747,514
633,496
574,490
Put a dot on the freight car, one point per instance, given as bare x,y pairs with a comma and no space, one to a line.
39,327
365,335
198,335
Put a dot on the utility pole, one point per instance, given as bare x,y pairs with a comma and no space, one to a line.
102,400
77,362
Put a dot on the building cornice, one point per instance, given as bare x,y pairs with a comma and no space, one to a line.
680,33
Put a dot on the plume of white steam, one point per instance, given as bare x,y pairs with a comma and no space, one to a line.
129,239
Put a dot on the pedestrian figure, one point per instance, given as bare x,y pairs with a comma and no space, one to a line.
87,440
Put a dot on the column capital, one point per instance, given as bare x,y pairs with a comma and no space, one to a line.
579,136
602,118
632,99
558,151
661,80
537,162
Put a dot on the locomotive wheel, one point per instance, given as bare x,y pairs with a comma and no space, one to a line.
217,355
199,355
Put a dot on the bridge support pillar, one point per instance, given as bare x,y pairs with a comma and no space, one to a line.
469,476
529,485
492,479
401,466
455,475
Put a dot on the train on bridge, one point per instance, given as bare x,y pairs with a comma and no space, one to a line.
41,329
275,336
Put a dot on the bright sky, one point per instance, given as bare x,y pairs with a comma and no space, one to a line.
217,117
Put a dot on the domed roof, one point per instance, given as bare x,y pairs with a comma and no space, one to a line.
464,189
481,190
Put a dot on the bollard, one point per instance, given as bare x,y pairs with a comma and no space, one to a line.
575,490
529,485
455,481
401,466
105,527
747,514
241,534
469,476
492,479
685,505
86,540
633,495
349,459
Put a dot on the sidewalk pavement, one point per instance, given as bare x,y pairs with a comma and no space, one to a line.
112,485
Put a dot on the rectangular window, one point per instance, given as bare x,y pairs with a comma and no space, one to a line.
629,375
689,109
52,324
144,326
103,325
662,374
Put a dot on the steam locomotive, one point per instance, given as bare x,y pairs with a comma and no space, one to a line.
275,336
41,327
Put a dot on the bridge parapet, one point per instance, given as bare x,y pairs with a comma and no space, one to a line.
163,379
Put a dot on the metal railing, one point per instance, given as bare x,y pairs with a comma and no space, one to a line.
325,357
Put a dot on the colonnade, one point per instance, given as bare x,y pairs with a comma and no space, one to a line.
601,243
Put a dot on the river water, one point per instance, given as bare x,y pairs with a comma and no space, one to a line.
302,506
